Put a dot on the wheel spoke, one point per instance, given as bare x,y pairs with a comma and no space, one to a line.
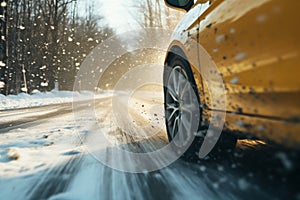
175,81
185,123
180,82
179,79
171,107
172,114
187,107
175,126
184,89
172,93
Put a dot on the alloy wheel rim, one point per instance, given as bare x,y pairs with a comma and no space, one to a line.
180,104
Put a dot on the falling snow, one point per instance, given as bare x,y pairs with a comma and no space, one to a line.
44,84
2,84
2,64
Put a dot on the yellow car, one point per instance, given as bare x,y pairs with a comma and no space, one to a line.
242,60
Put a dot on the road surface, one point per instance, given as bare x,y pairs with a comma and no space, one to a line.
254,170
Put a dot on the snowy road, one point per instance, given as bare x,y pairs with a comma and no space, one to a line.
43,157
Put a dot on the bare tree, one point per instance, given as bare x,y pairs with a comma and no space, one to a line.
4,46
46,43
155,14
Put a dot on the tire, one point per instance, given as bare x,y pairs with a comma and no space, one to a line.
174,116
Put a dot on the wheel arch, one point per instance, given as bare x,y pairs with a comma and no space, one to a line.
177,49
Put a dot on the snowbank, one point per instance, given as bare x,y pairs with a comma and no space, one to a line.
41,99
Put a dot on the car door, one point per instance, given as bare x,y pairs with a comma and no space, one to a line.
255,45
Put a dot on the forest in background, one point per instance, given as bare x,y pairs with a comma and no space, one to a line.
44,42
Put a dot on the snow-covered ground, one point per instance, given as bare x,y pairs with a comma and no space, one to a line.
28,153
37,99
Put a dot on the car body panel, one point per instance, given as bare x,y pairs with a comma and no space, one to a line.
256,46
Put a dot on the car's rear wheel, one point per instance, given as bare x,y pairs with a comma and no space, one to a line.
182,103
